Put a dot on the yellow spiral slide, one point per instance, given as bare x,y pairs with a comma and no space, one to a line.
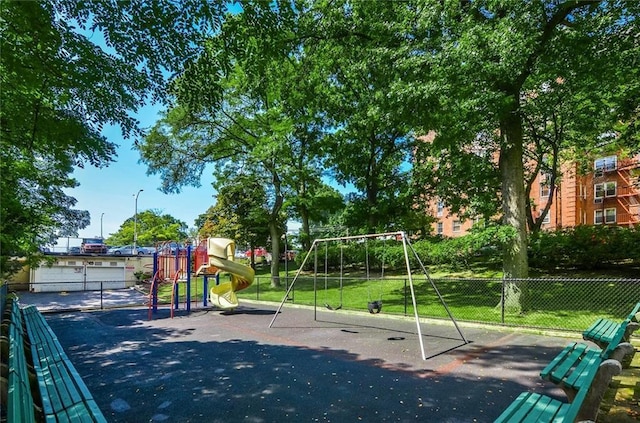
221,252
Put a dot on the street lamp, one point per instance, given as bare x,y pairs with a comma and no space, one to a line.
135,225
101,216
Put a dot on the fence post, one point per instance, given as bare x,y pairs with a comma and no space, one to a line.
405,297
205,290
502,302
101,291
257,289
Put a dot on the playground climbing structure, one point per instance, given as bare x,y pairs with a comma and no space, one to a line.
213,257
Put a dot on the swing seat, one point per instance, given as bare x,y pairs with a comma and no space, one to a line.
332,308
374,307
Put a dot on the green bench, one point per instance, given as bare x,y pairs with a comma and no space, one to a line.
38,380
602,331
583,373
20,404
65,397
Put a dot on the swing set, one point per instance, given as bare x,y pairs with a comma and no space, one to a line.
374,305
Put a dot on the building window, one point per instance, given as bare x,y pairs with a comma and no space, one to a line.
606,189
604,216
547,219
440,208
545,190
440,228
457,226
605,164
610,215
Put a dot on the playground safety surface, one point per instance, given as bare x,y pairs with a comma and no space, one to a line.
215,366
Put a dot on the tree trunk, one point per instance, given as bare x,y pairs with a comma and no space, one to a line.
304,235
515,264
515,260
274,231
275,254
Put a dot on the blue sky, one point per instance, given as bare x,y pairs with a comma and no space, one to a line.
112,190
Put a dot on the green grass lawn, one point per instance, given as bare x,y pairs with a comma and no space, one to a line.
471,295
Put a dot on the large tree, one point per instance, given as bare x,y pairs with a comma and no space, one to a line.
246,133
241,211
59,89
369,138
151,227
485,60
258,123
469,70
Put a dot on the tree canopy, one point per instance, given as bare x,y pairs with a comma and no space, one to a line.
310,91
152,227
60,88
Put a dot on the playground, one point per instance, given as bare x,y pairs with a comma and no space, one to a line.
229,360
215,366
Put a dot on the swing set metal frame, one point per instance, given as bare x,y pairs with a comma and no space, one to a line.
407,247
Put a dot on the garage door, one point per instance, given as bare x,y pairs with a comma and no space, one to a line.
105,274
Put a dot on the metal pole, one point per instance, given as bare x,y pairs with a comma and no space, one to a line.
315,282
135,225
286,262
154,282
293,282
413,296
188,278
435,288
205,289
503,298
101,216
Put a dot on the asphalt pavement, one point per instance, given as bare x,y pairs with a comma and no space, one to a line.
330,366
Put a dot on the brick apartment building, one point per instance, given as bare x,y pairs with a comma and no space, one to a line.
607,195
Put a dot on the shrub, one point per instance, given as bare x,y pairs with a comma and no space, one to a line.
584,247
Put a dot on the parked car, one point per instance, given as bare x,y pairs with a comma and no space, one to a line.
170,248
127,250
93,245
75,250
146,250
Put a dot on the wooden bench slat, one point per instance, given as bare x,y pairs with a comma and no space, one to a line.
577,378
563,363
507,414
65,396
530,407
20,400
542,406
95,410
602,331
64,387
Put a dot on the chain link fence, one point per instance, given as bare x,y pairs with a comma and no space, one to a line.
559,304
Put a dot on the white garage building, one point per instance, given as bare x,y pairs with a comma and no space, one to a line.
82,273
